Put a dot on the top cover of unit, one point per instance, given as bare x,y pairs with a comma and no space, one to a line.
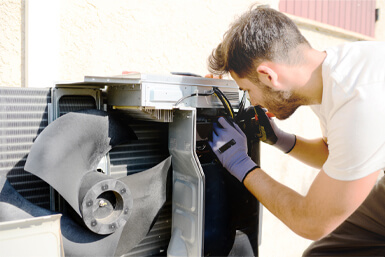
165,92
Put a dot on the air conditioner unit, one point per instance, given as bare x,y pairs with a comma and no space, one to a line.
206,210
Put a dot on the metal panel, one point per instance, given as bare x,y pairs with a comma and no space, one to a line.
188,187
23,115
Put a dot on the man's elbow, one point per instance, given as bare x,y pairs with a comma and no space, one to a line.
315,232
314,235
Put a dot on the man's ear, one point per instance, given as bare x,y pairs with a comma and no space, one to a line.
268,76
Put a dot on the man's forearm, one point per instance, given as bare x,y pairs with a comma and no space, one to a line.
292,208
312,152
280,200
326,205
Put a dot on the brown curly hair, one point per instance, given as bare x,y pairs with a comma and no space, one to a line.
260,34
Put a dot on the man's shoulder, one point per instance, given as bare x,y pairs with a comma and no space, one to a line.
351,53
357,46
353,65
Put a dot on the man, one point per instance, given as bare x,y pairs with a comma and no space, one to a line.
267,56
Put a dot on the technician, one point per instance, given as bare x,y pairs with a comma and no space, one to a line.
344,209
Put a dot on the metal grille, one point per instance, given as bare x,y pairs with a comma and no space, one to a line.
157,240
233,98
23,115
150,149
73,103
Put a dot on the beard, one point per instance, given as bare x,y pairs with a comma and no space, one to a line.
282,103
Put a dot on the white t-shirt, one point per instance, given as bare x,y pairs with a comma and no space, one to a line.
352,113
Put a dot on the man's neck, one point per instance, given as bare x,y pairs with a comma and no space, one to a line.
312,87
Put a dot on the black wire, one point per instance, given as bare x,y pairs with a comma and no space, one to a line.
196,94
222,97
226,103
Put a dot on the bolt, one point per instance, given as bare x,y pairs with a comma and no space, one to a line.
112,226
104,187
126,211
123,191
89,203
93,223
102,203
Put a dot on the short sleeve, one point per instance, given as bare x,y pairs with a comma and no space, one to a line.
356,137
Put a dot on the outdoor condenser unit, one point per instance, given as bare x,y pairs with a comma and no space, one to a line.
206,212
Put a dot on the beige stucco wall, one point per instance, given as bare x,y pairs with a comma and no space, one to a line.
11,43
98,37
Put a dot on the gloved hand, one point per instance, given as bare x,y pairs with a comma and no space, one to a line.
271,134
229,143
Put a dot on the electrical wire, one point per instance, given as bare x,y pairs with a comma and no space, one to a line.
222,97
226,103
192,95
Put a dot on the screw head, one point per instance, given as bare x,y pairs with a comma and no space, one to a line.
102,203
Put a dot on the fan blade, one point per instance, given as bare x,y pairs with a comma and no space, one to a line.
149,193
68,150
